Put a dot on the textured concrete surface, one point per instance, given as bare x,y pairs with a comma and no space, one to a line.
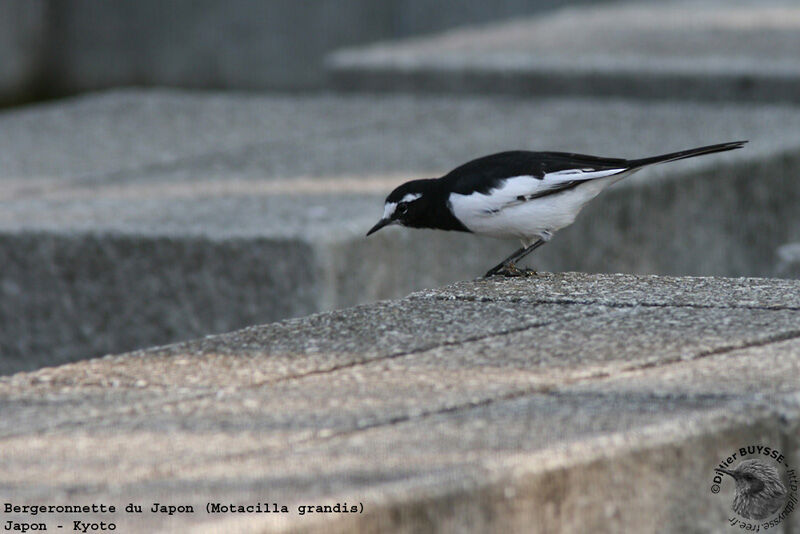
556,403
138,218
712,50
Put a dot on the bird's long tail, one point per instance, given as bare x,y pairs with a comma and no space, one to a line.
683,154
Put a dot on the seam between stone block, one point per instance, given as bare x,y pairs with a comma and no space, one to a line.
536,390
543,390
332,369
392,356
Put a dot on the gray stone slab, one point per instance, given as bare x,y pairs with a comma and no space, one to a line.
429,471
710,50
460,414
426,473
144,217
757,371
104,137
407,371
370,391
340,339
623,290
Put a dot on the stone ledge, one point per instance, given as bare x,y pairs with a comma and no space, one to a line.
481,406
708,50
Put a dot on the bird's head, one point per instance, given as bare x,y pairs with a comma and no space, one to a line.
759,489
407,205
753,476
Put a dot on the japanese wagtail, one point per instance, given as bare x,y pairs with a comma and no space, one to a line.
521,194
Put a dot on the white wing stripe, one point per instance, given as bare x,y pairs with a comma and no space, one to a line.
580,174
517,190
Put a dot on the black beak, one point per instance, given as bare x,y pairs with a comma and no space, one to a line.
726,471
381,224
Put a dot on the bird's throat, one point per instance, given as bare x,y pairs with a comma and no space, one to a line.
439,216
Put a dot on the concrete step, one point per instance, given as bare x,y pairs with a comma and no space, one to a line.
710,50
130,219
487,406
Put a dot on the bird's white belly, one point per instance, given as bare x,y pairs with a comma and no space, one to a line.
529,220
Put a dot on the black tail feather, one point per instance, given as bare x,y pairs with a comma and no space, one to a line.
683,154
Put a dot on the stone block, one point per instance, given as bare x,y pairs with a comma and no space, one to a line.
707,50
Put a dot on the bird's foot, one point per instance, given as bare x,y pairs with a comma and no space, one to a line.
510,271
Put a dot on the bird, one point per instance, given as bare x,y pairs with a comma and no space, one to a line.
516,194
759,490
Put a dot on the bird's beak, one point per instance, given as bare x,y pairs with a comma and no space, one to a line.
381,224
726,471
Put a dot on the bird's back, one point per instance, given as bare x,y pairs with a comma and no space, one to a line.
486,173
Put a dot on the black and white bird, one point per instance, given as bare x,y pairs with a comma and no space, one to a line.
521,194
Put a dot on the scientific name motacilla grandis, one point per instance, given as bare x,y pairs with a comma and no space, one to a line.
521,194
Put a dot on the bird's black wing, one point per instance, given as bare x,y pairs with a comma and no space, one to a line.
553,172
489,172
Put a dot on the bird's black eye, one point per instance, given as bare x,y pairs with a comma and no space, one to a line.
402,208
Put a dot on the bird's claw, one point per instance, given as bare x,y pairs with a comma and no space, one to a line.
512,271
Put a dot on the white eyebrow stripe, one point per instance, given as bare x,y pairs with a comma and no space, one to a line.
411,197
388,209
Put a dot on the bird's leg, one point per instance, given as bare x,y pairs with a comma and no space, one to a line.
527,251
507,267
509,260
